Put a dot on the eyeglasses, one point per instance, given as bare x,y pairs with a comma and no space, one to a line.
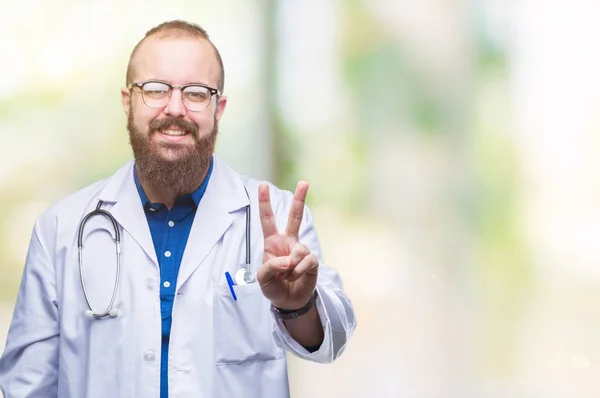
157,94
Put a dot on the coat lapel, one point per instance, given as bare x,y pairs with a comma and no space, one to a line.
224,194
128,209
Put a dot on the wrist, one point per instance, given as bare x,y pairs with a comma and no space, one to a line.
286,313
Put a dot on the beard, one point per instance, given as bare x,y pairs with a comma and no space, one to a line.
182,171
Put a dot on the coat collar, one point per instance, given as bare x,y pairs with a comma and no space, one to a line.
224,195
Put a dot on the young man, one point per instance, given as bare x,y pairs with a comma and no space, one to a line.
175,277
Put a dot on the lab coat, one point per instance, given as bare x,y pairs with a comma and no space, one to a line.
218,347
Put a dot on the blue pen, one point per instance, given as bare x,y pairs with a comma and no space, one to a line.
230,283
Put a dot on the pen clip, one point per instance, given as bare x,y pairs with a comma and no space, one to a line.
231,284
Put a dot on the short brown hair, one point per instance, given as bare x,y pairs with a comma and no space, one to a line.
177,28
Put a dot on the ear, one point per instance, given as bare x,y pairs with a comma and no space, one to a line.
220,107
126,99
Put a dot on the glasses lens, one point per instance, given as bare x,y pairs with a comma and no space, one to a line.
196,98
155,94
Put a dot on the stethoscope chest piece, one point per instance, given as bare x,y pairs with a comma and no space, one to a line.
244,276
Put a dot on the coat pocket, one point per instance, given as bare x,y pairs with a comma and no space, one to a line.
243,328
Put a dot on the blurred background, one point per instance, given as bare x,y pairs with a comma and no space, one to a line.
452,148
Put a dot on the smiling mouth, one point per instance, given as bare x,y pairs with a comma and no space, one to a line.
173,133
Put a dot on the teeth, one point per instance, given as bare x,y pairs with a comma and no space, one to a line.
173,132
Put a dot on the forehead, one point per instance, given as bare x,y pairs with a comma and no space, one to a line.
177,60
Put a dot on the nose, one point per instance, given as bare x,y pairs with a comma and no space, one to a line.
175,105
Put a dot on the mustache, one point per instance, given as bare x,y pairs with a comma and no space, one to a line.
165,123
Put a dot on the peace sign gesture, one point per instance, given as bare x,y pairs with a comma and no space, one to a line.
288,274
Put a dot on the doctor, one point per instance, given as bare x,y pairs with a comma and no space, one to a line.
178,326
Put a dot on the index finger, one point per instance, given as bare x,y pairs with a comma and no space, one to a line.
297,209
267,219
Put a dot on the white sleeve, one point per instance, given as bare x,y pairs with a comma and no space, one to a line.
335,309
29,364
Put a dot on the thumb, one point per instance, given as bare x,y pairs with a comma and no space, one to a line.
271,268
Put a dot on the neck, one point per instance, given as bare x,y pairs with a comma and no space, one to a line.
167,193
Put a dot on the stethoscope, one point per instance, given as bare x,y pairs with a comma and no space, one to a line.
110,311
243,275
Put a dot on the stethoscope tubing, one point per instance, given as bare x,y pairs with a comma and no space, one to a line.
99,212
246,276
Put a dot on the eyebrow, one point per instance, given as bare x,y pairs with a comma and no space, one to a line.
184,84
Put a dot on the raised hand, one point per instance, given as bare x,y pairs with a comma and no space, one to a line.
288,274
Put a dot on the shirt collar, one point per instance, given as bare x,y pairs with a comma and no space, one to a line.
195,196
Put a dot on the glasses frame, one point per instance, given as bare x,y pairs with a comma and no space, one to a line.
140,85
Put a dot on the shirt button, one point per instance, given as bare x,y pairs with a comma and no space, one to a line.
150,284
151,209
167,254
167,284
149,356
171,223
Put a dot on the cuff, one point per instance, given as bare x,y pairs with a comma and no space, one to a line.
284,340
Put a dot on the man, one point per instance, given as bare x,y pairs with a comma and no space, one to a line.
168,319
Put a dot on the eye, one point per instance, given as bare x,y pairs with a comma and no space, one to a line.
197,93
155,89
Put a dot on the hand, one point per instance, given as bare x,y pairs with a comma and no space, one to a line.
288,274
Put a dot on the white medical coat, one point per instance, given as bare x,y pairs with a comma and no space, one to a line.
218,347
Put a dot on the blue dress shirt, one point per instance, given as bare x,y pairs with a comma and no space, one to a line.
170,230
